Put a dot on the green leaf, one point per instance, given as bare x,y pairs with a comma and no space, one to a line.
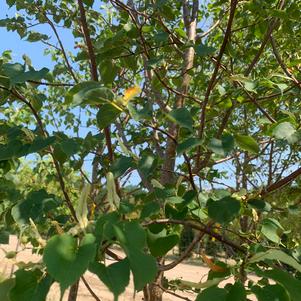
143,114
29,286
11,150
133,229
121,165
89,2
65,261
143,266
30,75
159,244
40,143
289,282
212,293
146,164
276,255
115,276
188,144
182,117
236,292
247,143
108,71
259,204
13,70
285,130
70,146
5,288
106,115
204,50
270,229
34,206
34,36
224,210
222,146
104,228
4,238
16,148
271,292
149,209
5,82
155,62
89,92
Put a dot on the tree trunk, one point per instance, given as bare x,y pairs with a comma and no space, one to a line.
73,291
153,291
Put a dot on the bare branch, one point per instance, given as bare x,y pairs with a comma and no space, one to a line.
185,254
69,67
212,81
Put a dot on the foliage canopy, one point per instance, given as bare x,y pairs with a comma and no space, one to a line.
165,116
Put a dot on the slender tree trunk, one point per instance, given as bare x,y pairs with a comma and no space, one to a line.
73,291
154,291
190,21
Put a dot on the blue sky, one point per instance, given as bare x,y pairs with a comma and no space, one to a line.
11,40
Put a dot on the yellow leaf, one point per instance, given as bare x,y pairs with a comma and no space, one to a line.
211,265
130,94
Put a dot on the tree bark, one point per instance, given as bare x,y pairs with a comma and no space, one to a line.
73,291
154,291
190,21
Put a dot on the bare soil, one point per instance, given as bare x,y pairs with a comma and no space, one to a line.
191,272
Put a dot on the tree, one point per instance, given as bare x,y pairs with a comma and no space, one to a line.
192,110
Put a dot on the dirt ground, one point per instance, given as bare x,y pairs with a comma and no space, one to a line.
190,272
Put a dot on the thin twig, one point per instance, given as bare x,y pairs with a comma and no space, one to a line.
217,66
283,65
69,67
184,255
50,84
172,293
273,24
56,163
198,226
89,289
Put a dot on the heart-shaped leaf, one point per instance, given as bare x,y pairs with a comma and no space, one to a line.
115,276
247,143
224,210
65,261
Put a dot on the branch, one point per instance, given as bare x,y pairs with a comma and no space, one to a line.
89,289
196,225
184,255
255,102
172,293
204,34
273,24
50,84
212,81
56,163
87,37
252,99
93,67
168,172
69,67
283,182
282,64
